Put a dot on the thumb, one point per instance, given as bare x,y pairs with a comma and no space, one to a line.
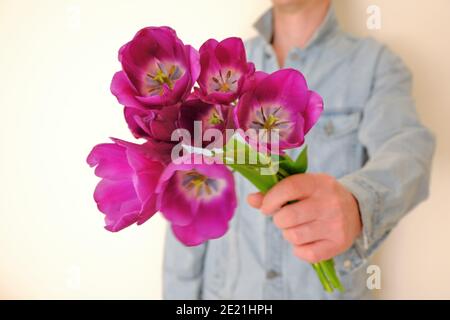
255,199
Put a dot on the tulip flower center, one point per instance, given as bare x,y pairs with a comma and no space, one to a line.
164,75
225,82
271,118
199,185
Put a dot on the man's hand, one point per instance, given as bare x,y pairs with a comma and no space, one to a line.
322,224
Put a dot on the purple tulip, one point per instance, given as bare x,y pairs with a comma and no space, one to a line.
129,175
210,116
153,124
198,200
224,68
280,101
158,69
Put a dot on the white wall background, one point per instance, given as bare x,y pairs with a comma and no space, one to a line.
57,58
56,62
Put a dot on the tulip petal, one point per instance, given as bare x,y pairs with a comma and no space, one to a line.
118,200
194,63
123,89
137,120
181,211
110,160
231,52
286,86
204,227
313,110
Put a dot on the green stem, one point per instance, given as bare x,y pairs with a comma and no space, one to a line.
330,272
323,279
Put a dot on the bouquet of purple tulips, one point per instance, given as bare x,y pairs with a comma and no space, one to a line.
236,119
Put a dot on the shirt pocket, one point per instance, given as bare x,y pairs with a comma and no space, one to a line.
333,144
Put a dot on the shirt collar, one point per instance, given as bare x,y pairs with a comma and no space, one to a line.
264,26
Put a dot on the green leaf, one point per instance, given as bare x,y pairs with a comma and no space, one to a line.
294,167
262,182
301,163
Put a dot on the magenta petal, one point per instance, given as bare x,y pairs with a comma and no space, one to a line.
243,111
203,228
208,46
124,91
121,50
124,222
139,51
181,211
150,149
167,41
253,80
137,120
118,201
110,160
231,52
194,63
164,123
219,98
215,225
313,110
188,235
149,209
130,173
286,86
152,124
108,193
146,181
147,173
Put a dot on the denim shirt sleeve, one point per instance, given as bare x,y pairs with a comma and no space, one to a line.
399,148
182,269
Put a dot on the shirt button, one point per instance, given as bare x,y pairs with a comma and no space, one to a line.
272,274
347,264
329,128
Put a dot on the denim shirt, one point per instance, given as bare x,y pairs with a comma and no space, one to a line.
369,137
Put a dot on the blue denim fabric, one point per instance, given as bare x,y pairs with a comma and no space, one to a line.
369,137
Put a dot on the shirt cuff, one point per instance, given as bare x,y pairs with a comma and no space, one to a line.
369,202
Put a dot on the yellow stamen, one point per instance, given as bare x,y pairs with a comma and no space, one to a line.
270,122
215,119
224,87
163,78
